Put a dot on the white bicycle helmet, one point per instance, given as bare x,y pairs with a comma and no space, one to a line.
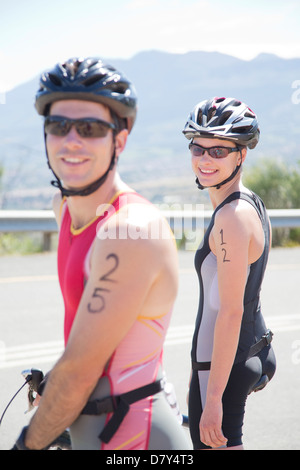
224,118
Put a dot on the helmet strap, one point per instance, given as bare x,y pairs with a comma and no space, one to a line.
218,186
87,190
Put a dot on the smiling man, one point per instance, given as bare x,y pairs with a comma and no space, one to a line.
118,291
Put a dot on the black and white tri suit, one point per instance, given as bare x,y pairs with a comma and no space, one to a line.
251,362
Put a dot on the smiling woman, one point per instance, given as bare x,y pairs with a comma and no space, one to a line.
231,353
210,162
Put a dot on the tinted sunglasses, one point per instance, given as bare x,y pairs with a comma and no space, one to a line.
214,152
85,127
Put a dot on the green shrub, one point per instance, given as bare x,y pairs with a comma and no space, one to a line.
20,243
279,188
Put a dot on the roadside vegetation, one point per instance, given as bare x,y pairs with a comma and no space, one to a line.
279,187
20,243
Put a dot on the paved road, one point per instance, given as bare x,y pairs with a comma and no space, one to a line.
31,325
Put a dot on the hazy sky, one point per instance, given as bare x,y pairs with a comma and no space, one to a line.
35,34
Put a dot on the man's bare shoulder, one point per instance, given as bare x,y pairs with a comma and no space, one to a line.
141,237
135,221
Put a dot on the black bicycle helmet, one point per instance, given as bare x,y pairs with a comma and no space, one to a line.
88,79
223,118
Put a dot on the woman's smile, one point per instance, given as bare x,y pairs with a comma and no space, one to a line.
207,172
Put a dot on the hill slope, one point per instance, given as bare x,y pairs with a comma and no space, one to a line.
156,160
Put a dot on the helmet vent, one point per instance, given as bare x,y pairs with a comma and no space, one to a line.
54,79
71,67
211,113
249,114
243,129
199,116
223,118
92,80
118,87
238,119
236,103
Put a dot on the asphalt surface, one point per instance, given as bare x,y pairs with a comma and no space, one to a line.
31,336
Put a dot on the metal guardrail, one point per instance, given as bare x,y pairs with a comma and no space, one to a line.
44,221
288,218
27,221
30,221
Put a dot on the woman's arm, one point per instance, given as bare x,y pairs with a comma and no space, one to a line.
230,242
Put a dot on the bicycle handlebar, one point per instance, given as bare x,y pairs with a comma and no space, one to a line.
33,378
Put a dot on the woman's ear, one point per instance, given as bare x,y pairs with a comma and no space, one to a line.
243,153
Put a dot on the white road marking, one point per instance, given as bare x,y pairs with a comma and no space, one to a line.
32,355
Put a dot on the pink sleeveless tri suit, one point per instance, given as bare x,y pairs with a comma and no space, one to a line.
148,423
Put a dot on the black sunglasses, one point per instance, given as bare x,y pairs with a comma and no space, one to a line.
214,152
85,127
